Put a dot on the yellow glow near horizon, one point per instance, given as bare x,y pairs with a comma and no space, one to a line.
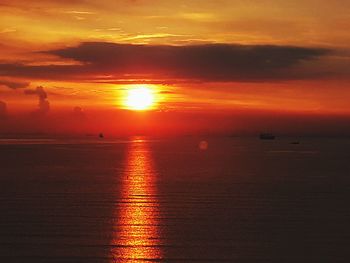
140,98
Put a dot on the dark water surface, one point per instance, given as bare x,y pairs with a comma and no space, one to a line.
239,200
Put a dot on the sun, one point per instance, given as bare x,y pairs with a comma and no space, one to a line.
140,98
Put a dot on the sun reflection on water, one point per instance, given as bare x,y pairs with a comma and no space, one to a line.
136,234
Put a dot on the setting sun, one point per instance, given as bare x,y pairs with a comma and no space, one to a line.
141,98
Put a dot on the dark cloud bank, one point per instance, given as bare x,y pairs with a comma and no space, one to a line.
213,62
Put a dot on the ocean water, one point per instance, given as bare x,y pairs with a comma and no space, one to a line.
175,200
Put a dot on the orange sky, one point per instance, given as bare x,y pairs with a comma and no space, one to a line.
204,61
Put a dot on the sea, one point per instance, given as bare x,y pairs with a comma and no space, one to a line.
185,199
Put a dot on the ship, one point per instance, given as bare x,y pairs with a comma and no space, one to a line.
267,136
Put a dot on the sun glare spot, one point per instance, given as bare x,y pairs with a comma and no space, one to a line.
140,98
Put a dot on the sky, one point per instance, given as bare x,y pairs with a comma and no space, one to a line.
224,66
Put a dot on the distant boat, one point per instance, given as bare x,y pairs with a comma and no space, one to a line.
267,136
101,135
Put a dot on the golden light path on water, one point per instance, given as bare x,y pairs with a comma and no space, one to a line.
136,233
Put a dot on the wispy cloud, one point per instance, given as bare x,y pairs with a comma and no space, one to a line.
13,84
75,12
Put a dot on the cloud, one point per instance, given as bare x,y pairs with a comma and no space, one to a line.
14,84
38,2
167,92
210,62
44,105
3,110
